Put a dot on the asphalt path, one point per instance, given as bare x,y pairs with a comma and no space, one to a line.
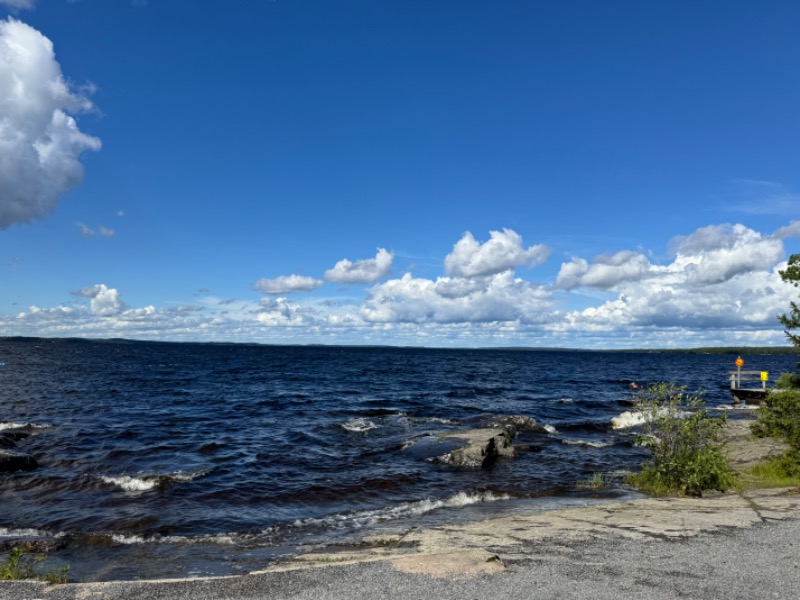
756,562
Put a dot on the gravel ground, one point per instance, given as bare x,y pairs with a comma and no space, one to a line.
756,562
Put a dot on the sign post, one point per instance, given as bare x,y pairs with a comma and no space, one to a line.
739,365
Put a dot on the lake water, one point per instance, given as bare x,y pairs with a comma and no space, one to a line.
166,460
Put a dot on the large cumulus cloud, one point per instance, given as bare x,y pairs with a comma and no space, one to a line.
504,251
40,142
721,276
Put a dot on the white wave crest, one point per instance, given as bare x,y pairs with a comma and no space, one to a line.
4,426
21,533
150,482
549,428
627,420
439,420
630,418
565,400
133,484
359,424
365,518
586,443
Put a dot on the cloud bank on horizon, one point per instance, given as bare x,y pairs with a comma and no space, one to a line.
719,286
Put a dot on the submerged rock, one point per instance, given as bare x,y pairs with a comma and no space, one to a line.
483,447
516,423
16,461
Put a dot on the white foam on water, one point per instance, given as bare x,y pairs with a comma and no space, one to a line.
4,426
565,400
133,484
549,428
21,533
365,518
630,418
129,539
586,443
150,482
627,420
359,424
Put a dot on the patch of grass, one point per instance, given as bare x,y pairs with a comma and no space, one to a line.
22,564
770,473
779,417
684,443
595,482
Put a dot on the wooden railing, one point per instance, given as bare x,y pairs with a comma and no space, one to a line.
740,379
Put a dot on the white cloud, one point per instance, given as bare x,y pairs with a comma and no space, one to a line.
722,277
746,301
40,143
280,312
503,252
19,4
501,297
789,231
286,284
85,230
719,252
88,232
606,272
105,301
721,288
367,270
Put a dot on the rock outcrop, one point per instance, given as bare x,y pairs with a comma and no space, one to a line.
16,461
483,447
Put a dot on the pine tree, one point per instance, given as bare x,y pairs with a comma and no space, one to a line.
791,320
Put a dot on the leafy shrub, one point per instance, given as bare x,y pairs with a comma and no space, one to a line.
684,442
779,417
788,381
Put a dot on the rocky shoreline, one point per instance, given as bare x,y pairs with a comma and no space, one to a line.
484,546
505,544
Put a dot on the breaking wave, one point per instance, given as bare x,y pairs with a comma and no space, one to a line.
5,426
627,420
365,518
150,482
359,424
586,443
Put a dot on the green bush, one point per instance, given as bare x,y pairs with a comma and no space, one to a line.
788,381
779,417
684,443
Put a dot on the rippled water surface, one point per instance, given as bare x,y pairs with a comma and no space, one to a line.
176,459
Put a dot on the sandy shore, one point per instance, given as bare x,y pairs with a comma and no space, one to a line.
722,545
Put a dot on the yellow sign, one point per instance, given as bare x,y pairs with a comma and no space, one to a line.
764,376
740,362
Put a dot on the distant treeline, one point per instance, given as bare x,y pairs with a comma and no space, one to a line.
751,350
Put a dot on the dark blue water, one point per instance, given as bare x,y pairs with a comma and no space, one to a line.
175,459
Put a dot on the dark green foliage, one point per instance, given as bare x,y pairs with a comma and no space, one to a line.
788,381
791,320
684,442
779,417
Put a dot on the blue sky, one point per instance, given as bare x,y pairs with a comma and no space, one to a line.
443,173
